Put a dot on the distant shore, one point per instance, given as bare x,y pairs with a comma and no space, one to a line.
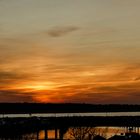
19,108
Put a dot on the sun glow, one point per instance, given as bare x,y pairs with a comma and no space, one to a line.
36,87
39,86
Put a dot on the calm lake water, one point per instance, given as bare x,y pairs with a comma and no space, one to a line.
72,114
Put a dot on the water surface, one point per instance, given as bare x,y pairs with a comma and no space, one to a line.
71,114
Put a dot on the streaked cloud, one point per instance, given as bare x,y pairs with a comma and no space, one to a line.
61,31
14,96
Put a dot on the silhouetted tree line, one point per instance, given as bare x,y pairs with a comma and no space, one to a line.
64,108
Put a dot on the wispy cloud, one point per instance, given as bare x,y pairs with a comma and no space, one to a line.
15,96
61,31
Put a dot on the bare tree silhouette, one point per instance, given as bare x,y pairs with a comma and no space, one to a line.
79,133
86,133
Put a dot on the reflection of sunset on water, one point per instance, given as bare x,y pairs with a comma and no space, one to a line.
51,134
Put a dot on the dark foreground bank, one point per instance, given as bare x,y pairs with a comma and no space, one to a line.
16,127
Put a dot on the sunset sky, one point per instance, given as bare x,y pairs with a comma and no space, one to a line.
85,51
